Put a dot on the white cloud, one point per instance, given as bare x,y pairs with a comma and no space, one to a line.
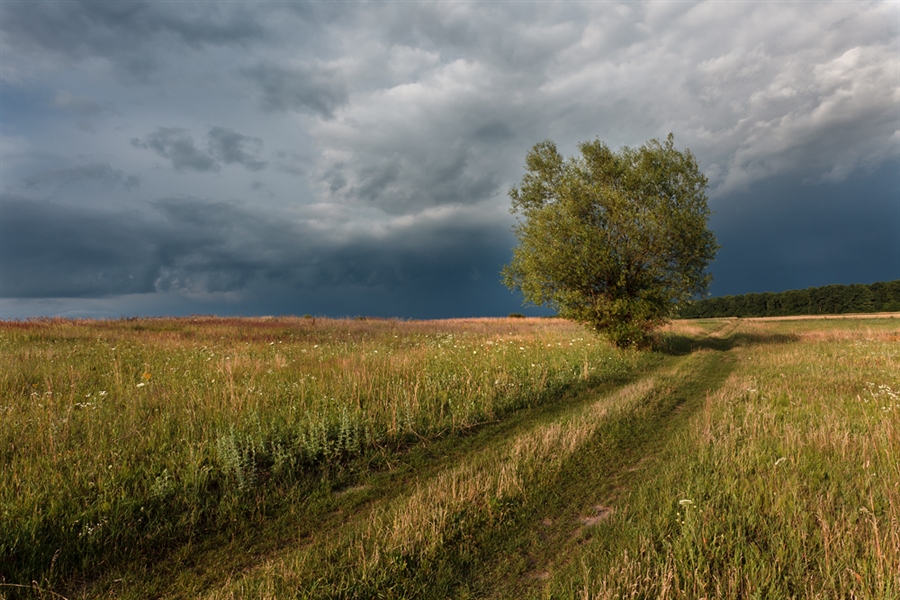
757,90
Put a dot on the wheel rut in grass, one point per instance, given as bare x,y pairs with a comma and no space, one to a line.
342,503
488,514
589,488
495,520
491,514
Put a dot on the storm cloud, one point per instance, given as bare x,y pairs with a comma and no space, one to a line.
128,35
101,173
354,158
200,247
177,145
230,147
223,145
315,88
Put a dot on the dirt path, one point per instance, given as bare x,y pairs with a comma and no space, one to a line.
474,515
489,536
593,485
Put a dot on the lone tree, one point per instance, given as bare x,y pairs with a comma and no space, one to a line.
614,240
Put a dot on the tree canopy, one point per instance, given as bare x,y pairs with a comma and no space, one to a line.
882,296
615,240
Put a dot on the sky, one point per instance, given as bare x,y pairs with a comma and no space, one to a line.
354,158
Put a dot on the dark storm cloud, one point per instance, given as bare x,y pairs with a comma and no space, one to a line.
418,147
376,141
400,184
101,173
224,145
121,31
180,244
230,146
847,232
176,145
50,249
192,246
314,88
204,246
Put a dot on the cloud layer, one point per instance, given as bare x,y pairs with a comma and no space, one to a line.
251,153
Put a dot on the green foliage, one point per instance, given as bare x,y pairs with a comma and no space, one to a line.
826,300
614,240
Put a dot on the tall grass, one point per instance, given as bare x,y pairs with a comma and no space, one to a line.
124,443
409,540
123,439
786,484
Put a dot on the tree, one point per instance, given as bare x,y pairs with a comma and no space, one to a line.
615,240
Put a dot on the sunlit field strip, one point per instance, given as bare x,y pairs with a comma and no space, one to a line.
124,437
787,484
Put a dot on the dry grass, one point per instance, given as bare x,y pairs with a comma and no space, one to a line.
417,526
786,484
120,435
127,438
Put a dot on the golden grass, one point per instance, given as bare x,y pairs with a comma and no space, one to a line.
419,524
786,484
101,420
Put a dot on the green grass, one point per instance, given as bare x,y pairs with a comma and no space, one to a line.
507,458
783,485
126,441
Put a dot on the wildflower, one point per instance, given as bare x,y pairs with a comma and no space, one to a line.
686,502
146,376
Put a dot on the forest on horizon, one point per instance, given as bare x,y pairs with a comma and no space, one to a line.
836,299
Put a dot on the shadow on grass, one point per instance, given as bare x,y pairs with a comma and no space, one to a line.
680,345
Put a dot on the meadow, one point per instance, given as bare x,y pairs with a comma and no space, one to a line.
506,458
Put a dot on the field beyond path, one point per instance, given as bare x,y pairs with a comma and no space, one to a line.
480,458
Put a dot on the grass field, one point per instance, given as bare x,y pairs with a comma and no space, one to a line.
483,458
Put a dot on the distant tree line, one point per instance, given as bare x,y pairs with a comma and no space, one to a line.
828,300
